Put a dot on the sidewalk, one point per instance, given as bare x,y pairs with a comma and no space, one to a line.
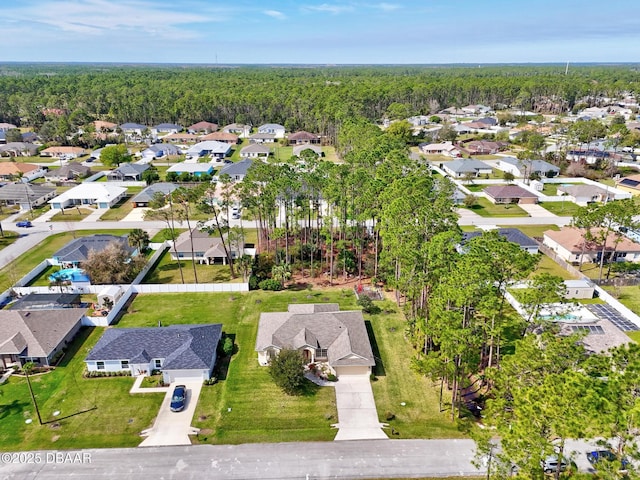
94,216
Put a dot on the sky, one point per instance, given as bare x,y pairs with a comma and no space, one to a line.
320,32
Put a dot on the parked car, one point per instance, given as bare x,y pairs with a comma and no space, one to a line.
550,464
598,456
178,398
24,223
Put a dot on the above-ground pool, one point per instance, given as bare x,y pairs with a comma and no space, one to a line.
70,274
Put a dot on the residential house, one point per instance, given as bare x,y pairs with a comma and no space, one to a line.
143,198
321,333
178,351
458,197
212,148
476,109
166,129
202,128
243,131
527,168
588,156
298,149
29,137
46,301
77,250
26,195
238,170
97,194
463,167
442,148
159,150
512,235
629,184
484,147
506,194
262,138
583,194
230,138
207,250
133,129
419,120
24,171
195,169
272,128
18,149
5,127
36,335
570,245
482,123
104,127
65,153
303,138
181,138
67,172
131,172
255,150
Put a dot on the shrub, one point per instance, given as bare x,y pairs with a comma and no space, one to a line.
389,416
270,284
253,283
211,381
227,346
287,371
332,378
367,305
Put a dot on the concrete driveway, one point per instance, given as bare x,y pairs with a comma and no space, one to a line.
535,210
173,428
357,414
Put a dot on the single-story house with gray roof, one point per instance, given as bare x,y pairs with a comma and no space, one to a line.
505,194
77,251
255,150
128,172
36,335
178,351
525,168
511,235
461,167
143,198
321,333
238,170
26,195
46,301
583,194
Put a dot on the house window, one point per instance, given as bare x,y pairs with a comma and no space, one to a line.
100,365
321,353
124,364
158,363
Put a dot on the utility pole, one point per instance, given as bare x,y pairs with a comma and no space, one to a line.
26,368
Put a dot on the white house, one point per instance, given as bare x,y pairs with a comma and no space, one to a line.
272,128
211,147
97,194
443,148
255,150
461,167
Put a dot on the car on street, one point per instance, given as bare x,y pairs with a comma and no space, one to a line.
598,456
24,224
550,464
178,398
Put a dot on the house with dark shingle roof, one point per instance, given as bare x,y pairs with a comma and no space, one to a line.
202,128
143,198
178,351
26,195
504,194
128,172
461,167
512,235
255,150
303,138
206,249
77,251
321,333
36,335
238,170
46,301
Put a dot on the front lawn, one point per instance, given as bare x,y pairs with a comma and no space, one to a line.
8,238
94,413
548,265
563,209
485,208
477,187
71,214
259,411
119,210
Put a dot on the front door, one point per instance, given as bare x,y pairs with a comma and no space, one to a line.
307,356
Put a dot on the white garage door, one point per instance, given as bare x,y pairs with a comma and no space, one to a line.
174,376
340,371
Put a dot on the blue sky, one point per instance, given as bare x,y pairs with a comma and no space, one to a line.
325,32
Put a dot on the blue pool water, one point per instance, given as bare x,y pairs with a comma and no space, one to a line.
70,274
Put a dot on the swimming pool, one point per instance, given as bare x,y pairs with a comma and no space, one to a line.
567,313
70,274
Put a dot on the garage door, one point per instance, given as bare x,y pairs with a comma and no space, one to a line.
172,376
340,371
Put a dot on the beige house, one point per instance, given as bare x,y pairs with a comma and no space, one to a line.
322,333
206,249
570,245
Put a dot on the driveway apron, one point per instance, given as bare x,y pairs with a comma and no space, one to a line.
357,415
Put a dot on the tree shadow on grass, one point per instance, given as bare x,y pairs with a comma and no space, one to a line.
309,389
14,407
379,369
298,286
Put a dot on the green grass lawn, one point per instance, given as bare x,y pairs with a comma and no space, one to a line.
8,238
474,187
547,265
72,215
485,208
11,273
330,154
281,153
34,213
168,271
94,413
535,230
563,209
119,210
628,296
8,211
635,335
259,411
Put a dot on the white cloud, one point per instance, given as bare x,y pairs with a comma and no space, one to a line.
333,9
387,7
275,14
102,16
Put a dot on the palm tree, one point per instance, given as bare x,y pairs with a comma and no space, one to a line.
138,238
